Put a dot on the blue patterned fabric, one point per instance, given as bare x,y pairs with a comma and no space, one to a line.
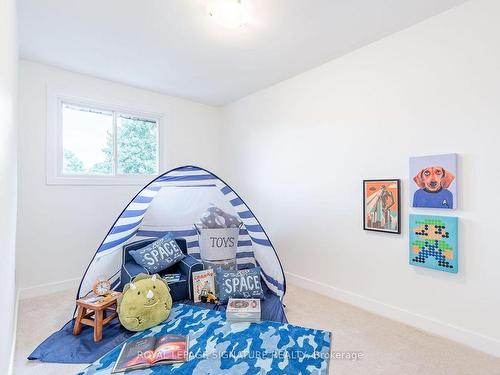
238,284
218,347
159,255
63,347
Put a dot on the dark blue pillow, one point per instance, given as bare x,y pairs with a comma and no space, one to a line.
158,255
239,284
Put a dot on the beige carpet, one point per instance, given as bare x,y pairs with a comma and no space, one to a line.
388,348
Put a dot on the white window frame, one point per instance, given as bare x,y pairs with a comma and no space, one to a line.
55,175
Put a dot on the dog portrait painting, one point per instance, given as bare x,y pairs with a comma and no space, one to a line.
433,181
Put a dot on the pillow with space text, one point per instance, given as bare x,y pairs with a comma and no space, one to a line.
159,255
239,284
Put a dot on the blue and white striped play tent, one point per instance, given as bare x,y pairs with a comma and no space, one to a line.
174,202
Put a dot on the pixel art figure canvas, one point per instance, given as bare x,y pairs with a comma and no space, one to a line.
434,181
434,242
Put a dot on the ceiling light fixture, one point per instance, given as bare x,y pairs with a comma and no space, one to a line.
230,13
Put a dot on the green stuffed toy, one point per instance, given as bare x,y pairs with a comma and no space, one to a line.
144,303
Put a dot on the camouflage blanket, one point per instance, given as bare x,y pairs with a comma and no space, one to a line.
219,347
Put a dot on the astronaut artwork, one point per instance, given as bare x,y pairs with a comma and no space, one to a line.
381,205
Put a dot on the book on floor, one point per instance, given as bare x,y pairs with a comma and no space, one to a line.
203,282
243,310
151,351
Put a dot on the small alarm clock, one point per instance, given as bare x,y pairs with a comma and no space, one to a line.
101,287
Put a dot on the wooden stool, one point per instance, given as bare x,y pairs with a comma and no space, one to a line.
95,314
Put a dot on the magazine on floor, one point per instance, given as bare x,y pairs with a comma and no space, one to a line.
151,351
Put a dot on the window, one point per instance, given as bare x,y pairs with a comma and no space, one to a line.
99,144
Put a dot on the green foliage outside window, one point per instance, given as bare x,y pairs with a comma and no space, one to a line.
72,163
137,151
137,147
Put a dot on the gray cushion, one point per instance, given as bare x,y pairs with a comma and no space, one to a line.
159,255
239,284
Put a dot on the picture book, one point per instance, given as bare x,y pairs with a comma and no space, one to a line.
203,283
151,351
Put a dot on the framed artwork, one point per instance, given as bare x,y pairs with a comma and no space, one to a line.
434,242
434,181
381,205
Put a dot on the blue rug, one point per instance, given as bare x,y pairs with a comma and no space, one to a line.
63,347
218,347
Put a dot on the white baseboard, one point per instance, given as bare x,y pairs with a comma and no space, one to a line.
430,325
44,289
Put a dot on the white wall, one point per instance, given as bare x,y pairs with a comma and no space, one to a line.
60,227
298,152
8,177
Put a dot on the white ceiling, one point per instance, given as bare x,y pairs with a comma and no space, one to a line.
171,46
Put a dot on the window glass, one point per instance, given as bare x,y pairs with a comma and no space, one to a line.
137,145
87,140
